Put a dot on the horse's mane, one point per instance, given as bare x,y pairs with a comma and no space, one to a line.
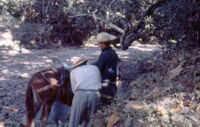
65,85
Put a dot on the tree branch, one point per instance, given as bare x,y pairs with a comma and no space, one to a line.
127,43
108,10
95,17
150,10
141,25
136,32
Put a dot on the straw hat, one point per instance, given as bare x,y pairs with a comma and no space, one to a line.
104,37
79,61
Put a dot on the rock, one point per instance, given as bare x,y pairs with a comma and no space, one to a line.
148,66
155,93
134,105
24,120
2,124
13,109
186,110
127,122
161,111
176,71
194,118
113,120
135,94
198,109
178,108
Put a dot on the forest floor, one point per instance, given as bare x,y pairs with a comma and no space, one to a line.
18,65
165,94
158,89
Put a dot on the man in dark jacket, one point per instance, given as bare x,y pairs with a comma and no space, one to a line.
107,63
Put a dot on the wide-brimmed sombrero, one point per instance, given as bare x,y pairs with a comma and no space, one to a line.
104,37
79,61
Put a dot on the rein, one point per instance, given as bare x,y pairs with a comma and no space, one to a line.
52,84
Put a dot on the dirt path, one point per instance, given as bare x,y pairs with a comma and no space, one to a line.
17,67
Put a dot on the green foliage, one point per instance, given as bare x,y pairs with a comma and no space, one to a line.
174,20
13,7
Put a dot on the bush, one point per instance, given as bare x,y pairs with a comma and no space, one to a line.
169,21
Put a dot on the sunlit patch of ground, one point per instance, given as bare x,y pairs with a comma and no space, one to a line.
18,64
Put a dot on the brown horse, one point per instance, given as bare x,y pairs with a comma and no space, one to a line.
43,89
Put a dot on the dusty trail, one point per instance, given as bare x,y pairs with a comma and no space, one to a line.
17,67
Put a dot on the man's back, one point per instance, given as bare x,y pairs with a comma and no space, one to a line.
86,83
107,63
86,77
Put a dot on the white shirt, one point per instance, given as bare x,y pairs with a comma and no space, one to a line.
86,77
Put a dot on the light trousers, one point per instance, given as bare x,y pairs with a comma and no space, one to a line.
84,105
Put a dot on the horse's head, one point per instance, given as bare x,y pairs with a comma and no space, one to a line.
63,72
64,77
64,65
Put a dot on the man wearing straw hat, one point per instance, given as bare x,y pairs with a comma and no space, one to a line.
107,63
86,83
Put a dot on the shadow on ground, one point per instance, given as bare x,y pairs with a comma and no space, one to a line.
17,68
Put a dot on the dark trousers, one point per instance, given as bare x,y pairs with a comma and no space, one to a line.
107,93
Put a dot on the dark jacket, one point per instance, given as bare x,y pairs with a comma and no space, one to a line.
107,64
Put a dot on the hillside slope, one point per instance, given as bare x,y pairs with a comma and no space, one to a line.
168,95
